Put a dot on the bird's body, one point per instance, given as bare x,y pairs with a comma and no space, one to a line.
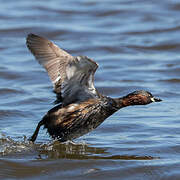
75,120
82,108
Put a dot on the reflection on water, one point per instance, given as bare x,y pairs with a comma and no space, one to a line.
56,150
83,151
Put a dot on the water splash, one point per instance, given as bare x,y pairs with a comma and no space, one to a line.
10,146
53,149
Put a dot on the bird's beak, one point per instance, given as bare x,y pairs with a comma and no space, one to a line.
153,99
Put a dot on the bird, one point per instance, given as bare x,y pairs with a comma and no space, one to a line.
80,108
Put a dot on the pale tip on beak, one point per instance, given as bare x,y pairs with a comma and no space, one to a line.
153,99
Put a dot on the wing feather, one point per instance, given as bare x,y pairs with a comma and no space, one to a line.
72,77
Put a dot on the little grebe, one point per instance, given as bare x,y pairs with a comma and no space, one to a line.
81,107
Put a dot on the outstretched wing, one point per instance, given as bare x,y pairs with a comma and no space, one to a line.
72,77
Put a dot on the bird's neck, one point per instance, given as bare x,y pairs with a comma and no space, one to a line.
122,102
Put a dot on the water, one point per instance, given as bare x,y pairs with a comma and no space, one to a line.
136,44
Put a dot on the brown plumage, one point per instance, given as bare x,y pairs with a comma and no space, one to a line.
82,108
